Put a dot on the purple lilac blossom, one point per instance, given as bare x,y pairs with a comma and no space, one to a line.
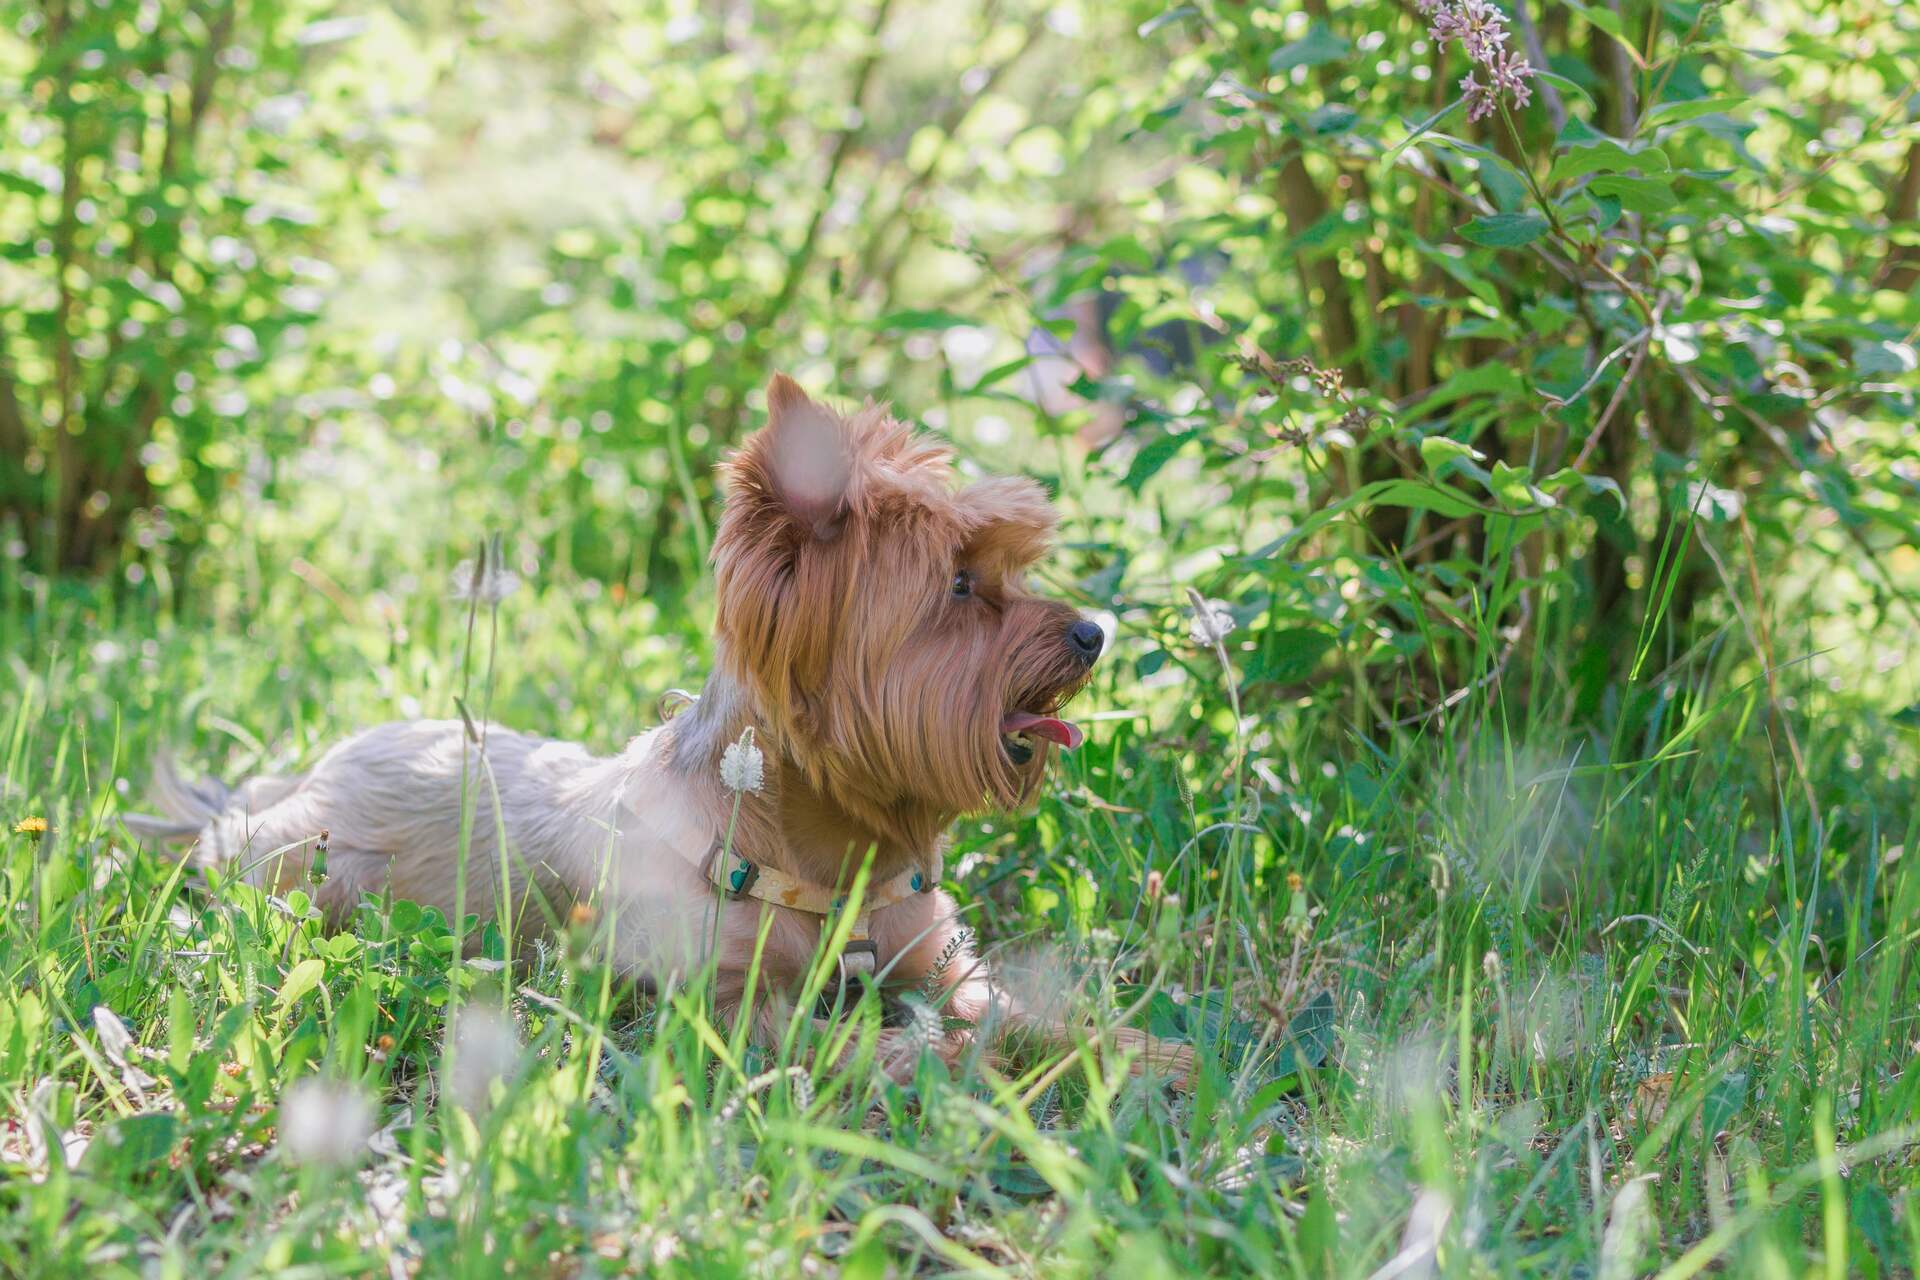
1481,29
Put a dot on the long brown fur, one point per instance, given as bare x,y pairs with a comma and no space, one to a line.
876,696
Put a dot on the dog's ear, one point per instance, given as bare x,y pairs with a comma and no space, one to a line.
803,458
785,396
1010,522
788,498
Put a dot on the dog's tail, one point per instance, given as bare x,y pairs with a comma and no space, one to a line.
187,808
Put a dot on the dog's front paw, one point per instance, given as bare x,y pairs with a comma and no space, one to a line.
897,1051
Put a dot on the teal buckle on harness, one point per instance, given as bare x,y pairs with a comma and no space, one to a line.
740,879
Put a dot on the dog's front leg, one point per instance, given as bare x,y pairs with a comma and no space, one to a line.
937,957
896,1052
780,960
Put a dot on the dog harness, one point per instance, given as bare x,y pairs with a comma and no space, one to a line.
739,877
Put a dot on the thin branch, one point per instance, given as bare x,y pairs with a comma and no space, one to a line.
802,256
1557,402
1619,396
1901,270
1875,132
952,119
13,422
1620,67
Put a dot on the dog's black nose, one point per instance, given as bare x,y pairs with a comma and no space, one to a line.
1087,640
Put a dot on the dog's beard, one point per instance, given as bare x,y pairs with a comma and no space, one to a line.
978,742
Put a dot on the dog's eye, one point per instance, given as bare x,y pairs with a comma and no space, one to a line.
962,585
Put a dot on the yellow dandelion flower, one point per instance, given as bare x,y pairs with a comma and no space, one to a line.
35,826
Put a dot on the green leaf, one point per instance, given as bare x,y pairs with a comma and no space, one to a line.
1604,18
1206,1019
1153,455
135,1146
1488,379
1288,654
1015,1179
1308,1038
1565,85
1000,373
1335,117
1160,117
300,979
1605,157
1642,195
1607,485
1420,495
1503,183
1567,477
1577,132
1514,486
1319,1233
1502,328
1872,1216
1725,1099
1675,112
1318,46
867,1260
1166,19
1437,451
910,321
1419,131
1504,230
1458,266
1732,132
1600,16
1893,358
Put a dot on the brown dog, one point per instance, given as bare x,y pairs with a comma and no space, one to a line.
882,669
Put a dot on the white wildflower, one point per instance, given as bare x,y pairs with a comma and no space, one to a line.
923,1024
44,1137
325,1122
742,767
1712,503
1629,1227
486,1048
115,1040
118,1044
1420,1241
486,581
1212,623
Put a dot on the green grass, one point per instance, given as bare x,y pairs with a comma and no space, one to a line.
1627,994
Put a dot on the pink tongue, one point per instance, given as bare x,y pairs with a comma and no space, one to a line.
1065,733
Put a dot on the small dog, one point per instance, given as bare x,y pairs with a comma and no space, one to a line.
882,669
